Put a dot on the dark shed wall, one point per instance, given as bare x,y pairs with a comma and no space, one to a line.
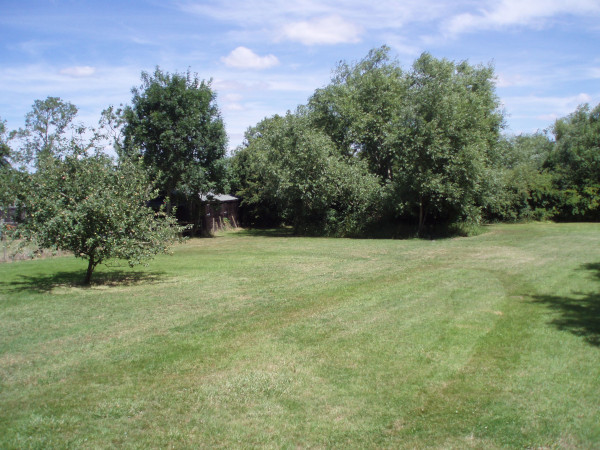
216,213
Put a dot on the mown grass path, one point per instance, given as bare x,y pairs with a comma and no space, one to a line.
262,339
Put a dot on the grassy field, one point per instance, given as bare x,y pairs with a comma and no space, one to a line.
258,339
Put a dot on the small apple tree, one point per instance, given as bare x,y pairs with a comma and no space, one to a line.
76,197
95,209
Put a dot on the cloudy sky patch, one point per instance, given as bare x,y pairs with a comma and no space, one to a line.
265,57
328,30
78,71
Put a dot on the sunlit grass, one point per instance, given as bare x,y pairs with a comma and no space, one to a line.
263,339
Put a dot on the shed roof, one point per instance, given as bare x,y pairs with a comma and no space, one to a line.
217,197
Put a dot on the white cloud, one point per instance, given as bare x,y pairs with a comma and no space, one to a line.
382,13
529,113
528,13
402,45
244,58
323,30
232,102
35,47
547,117
78,71
543,74
112,85
232,97
283,83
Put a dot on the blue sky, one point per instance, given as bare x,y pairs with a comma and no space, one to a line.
265,56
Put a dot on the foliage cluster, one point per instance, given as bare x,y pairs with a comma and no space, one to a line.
175,124
96,209
416,144
378,147
292,171
72,196
575,164
552,176
431,139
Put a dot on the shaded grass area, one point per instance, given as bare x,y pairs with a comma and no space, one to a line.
262,339
579,312
51,281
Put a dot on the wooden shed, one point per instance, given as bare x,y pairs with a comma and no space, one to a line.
9,216
220,211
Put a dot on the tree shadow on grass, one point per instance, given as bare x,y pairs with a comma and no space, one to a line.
288,232
579,313
594,268
266,232
74,279
396,231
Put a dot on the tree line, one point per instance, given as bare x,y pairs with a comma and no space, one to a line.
378,149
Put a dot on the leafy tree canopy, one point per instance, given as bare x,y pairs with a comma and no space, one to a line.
357,108
96,209
79,200
429,133
445,134
5,151
575,163
524,187
293,169
46,131
175,124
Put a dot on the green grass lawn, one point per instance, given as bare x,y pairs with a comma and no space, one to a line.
257,339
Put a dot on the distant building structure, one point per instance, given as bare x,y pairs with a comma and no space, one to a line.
8,215
220,211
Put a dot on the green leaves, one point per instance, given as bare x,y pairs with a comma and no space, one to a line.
575,162
175,124
454,124
292,169
427,135
427,132
97,210
45,132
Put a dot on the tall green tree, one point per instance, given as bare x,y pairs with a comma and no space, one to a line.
575,163
175,124
4,147
46,130
357,108
524,185
78,199
8,175
429,134
445,131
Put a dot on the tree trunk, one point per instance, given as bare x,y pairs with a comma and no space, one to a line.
421,216
90,270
